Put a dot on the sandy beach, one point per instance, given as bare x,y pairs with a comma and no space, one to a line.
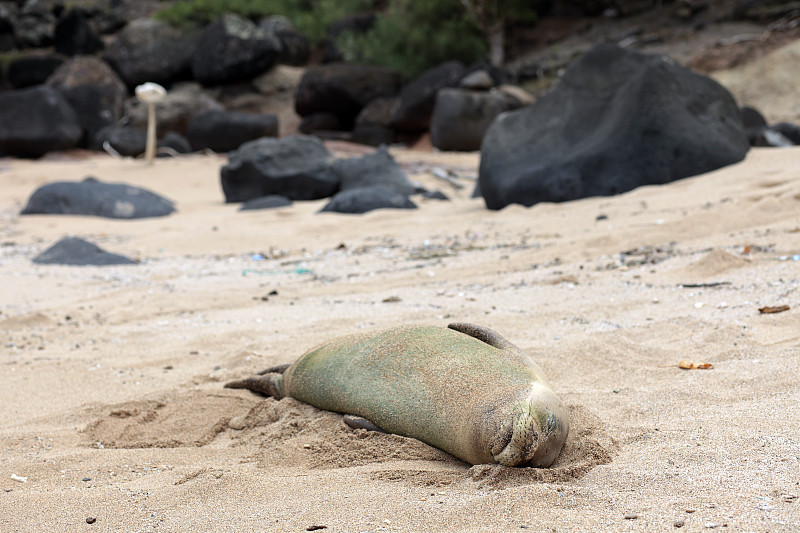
111,381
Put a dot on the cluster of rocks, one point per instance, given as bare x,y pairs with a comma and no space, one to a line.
275,172
370,105
70,86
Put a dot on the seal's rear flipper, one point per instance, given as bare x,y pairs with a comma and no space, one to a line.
484,334
359,422
277,369
264,385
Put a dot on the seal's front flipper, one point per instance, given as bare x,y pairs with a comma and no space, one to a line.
484,334
264,385
277,369
359,422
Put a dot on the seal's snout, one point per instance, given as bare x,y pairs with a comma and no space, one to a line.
536,434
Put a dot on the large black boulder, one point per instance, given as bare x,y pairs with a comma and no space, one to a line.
223,131
151,50
78,252
616,120
35,121
364,199
377,168
414,106
297,167
343,90
94,198
231,49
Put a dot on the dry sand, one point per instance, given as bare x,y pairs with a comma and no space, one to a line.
111,378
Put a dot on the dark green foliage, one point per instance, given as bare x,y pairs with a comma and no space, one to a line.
412,36
311,17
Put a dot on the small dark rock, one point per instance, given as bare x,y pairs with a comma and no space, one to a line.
377,168
294,46
128,141
91,520
752,118
788,130
223,131
414,107
343,89
365,199
431,195
266,202
94,198
78,252
461,117
32,70
174,141
320,122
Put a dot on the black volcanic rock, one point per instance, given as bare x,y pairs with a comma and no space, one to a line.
616,120
94,198
78,252
364,199
35,121
297,167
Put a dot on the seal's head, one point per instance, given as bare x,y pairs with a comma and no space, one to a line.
533,432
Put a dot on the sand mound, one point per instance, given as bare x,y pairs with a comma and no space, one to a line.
713,264
185,418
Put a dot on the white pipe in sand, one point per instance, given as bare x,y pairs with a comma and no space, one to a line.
150,93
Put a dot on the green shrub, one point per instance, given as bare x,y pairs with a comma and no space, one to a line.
311,17
413,36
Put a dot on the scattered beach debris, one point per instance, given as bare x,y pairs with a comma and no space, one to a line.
704,285
691,365
19,479
770,310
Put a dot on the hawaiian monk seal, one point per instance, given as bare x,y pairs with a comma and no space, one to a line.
463,389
